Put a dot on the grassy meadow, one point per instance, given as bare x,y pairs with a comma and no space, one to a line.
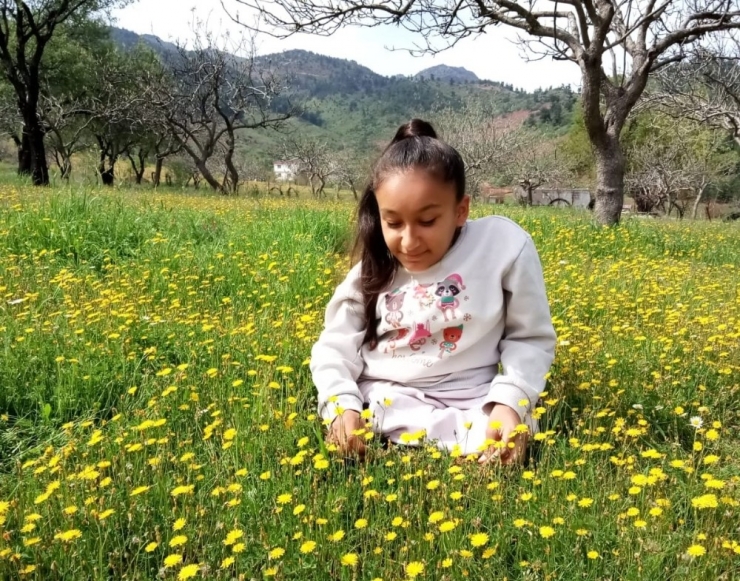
157,417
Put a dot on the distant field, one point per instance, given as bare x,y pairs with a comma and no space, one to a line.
157,418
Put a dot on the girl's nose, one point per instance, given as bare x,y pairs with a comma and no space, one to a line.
410,240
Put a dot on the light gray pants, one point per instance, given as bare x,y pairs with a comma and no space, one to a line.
450,418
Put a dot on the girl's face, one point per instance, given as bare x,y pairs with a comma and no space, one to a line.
419,216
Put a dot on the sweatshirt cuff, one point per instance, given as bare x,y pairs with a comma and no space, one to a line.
328,410
505,391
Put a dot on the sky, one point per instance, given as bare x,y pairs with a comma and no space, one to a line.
494,56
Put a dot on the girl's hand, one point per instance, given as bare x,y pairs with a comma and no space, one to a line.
506,420
340,433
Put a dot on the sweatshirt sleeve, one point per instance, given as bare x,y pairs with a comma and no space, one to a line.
336,360
527,346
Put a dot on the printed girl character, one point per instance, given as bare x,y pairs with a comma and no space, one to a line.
413,228
422,296
451,336
394,302
447,291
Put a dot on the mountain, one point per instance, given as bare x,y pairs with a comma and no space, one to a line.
350,105
446,73
127,39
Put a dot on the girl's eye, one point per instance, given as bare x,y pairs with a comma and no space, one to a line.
393,225
428,222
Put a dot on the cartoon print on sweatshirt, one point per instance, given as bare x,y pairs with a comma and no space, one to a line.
447,291
422,296
393,342
394,302
451,337
419,336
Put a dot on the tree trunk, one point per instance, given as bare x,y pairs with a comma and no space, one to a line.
24,154
208,176
231,172
697,201
107,174
141,167
64,163
610,167
157,175
35,132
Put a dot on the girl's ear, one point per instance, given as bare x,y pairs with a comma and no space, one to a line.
463,210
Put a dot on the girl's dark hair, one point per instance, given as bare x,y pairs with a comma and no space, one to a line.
415,146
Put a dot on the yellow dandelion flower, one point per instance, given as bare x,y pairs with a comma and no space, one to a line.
593,554
179,524
547,532
233,536
227,562
308,547
696,551
436,516
178,541
188,572
139,490
151,547
337,536
69,535
361,523
180,490
414,569
172,560
350,559
478,539
276,553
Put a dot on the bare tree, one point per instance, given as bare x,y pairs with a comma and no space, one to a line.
314,159
675,164
165,144
704,88
212,96
352,171
485,143
66,123
637,36
530,163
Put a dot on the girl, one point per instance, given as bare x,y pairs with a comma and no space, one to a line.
417,330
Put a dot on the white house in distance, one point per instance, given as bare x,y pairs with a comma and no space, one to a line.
285,171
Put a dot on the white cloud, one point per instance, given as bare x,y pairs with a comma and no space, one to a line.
492,56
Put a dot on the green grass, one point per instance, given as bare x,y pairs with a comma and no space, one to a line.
157,341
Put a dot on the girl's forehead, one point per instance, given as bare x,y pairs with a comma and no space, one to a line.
414,191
